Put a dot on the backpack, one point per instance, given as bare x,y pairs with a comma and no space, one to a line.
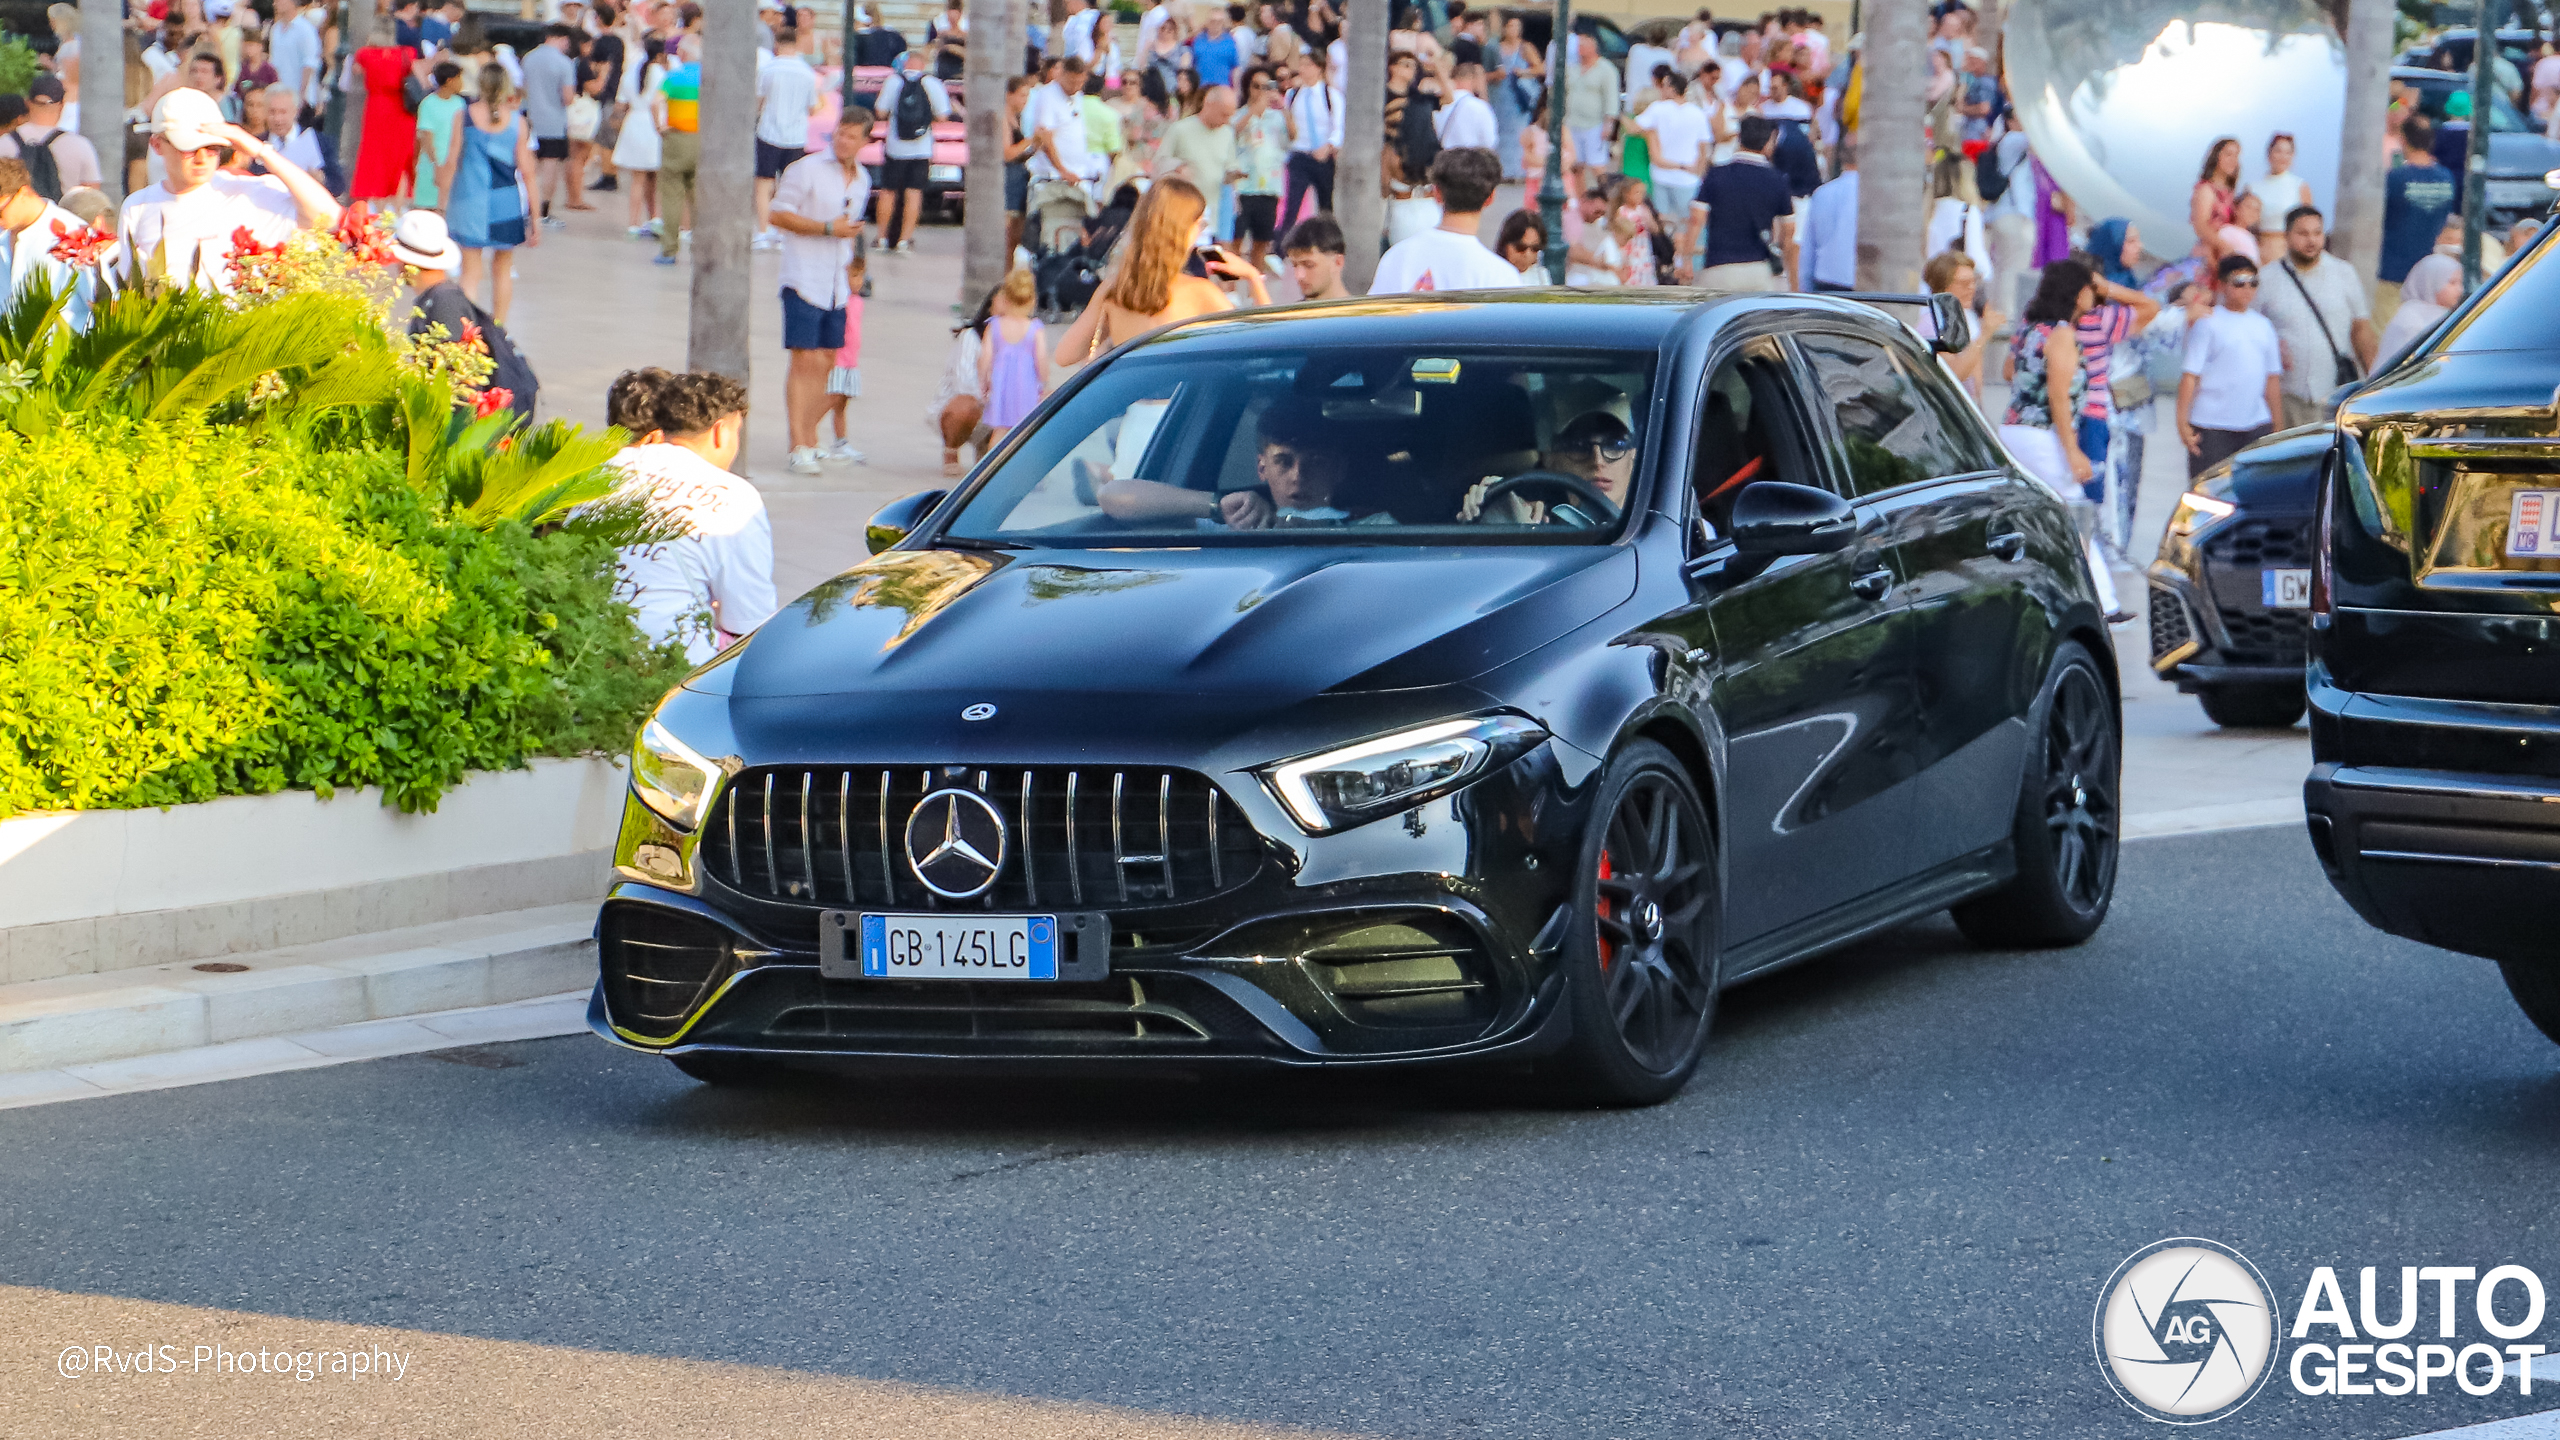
915,107
1988,177
43,172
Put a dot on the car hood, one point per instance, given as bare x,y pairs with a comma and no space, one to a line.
1204,640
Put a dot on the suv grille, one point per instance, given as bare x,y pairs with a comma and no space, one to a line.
2260,544
2266,637
2169,627
835,836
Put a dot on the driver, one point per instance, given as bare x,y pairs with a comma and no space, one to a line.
1300,473
1594,446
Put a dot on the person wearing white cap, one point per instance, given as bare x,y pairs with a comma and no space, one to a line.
422,246
183,226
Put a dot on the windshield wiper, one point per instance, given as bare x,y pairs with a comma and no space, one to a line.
971,542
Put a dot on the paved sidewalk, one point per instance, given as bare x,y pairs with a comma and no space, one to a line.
589,304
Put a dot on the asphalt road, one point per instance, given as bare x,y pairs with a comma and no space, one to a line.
1885,1207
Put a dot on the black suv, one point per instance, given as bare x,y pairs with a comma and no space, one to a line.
2434,802
2231,588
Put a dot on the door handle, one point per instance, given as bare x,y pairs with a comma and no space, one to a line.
1872,585
2009,546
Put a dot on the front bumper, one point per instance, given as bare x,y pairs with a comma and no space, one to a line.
1428,937
2210,623
2463,858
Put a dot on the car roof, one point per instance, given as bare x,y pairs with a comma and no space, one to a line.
1548,316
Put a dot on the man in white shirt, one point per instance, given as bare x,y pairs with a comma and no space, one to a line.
2321,315
183,226
819,203
31,228
1450,257
1061,166
1466,121
1315,134
75,160
2233,385
907,159
1680,137
293,47
786,96
713,581
2012,223
281,110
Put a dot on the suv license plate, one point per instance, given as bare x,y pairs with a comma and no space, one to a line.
2530,524
870,945
2285,589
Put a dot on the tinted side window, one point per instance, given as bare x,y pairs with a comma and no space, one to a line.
1892,432
2516,313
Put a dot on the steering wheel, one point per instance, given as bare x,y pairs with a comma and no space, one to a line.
1574,486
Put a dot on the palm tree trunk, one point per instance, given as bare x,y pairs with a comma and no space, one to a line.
2356,234
724,194
101,94
1893,146
1359,194
990,62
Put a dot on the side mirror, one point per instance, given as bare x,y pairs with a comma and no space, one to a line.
1953,326
1772,517
898,519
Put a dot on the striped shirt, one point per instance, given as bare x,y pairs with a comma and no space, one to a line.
2101,331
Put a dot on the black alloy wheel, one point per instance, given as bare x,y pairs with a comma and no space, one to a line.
1643,966
2068,819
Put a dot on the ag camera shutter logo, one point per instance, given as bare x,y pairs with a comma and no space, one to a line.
2186,1330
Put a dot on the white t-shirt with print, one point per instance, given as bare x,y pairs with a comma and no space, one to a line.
1441,260
720,567
189,236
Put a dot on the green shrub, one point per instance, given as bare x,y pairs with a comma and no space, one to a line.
18,67
190,610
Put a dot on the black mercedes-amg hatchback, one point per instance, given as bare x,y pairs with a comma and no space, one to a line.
1436,679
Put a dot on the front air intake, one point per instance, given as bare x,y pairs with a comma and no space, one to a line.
659,966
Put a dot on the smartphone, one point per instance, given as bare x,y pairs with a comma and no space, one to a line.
1207,256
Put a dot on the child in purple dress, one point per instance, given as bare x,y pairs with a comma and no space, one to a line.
1012,371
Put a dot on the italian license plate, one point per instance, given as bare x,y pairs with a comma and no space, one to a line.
879,946
2532,533
2284,589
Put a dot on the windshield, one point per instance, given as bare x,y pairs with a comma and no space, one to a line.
1436,444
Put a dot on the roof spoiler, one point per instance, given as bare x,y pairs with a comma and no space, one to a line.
1953,326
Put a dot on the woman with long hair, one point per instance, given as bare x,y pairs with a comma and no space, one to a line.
2048,387
2209,204
1147,287
2280,192
487,210
638,149
388,149
1515,78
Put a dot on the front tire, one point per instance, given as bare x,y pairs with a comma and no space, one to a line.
2066,829
1642,962
2254,707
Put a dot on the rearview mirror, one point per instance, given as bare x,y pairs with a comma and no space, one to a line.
898,519
1772,517
1953,325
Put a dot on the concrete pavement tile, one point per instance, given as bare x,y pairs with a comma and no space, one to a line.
198,1064
564,1014
43,1087
273,1000
370,1039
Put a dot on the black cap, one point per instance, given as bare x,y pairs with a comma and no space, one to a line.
44,88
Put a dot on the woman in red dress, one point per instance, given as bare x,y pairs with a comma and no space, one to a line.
390,139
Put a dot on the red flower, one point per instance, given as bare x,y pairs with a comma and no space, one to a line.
82,246
471,337
491,401
365,235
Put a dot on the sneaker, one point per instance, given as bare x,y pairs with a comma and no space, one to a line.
843,453
609,183
664,260
641,232
804,461
906,247
554,222
767,240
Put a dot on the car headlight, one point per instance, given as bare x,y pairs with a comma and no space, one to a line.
672,777
2196,510
1343,787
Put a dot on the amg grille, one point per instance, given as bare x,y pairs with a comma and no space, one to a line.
1084,838
2265,637
2261,544
2169,626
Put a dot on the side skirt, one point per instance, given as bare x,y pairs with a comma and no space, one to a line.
1955,881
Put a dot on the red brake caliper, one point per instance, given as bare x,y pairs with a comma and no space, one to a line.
1606,951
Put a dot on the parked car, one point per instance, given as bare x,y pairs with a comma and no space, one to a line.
2451,49
2520,155
1422,680
2231,586
2434,796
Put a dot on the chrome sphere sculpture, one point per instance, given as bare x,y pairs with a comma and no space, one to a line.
2122,99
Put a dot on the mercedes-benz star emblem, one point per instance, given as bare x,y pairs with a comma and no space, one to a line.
955,843
980,711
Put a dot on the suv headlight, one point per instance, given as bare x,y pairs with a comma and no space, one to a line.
2199,508
672,777
1343,787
